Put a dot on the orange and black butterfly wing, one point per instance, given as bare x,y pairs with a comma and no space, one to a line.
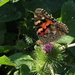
47,28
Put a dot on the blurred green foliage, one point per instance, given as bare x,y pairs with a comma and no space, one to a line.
18,36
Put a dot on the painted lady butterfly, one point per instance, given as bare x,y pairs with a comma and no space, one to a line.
48,28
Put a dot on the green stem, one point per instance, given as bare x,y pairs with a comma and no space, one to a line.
51,69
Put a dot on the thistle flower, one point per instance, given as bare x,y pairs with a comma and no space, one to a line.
47,48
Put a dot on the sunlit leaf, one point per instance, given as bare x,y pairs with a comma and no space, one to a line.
5,61
2,2
65,39
20,58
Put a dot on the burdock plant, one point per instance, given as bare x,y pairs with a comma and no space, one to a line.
48,56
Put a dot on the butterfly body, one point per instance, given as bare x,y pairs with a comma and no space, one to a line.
48,29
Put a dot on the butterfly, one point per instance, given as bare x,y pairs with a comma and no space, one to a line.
48,29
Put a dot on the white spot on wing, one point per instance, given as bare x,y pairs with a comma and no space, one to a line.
37,22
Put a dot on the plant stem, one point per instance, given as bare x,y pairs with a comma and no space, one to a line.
71,45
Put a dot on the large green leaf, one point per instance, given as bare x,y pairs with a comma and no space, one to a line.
68,11
68,16
20,58
9,12
49,5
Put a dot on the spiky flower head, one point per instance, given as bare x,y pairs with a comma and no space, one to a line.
48,55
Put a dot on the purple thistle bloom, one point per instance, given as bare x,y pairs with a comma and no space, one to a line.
47,48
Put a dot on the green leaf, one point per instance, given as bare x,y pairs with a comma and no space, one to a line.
9,13
68,11
49,5
68,16
20,58
25,70
5,61
65,39
6,48
71,26
2,2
